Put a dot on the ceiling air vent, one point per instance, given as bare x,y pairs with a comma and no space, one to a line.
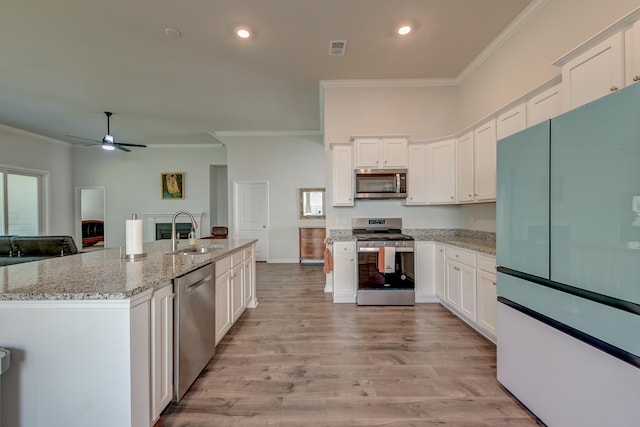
337,47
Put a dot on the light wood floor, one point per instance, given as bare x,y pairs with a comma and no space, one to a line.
299,360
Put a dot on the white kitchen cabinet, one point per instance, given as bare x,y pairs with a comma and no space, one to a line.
632,54
452,284
487,296
545,105
484,140
425,271
342,175
380,153
237,286
464,169
511,121
440,270
441,173
417,175
161,350
593,73
249,287
461,281
344,272
223,298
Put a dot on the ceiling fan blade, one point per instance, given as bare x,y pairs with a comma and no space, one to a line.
130,145
121,148
84,139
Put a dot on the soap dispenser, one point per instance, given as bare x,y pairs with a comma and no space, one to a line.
192,237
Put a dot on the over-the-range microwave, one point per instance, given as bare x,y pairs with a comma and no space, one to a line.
381,183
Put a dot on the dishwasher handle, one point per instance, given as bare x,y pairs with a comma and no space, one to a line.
192,286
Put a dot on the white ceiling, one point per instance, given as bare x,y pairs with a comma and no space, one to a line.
63,63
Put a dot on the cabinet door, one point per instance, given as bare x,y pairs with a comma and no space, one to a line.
237,291
425,271
441,175
487,302
511,121
223,305
522,208
464,168
484,153
452,284
342,175
394,153
545,105
161,350
248,281
417,175
632,54
594,74
344,272
440,271
368,153
467,291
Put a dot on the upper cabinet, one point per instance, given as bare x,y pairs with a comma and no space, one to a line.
417,175
484,141
594,73
464,168
441,172
380,153
342,193
511,121
544,105
632,54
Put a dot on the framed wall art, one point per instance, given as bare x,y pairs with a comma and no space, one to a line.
172,184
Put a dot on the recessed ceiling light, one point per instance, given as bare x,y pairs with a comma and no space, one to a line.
243,32
404,30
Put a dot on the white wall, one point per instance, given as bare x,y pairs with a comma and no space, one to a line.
132,181
29,151
287,163
525,61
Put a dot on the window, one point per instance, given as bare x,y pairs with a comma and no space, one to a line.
21,202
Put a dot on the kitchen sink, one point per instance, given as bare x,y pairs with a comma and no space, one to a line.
195,250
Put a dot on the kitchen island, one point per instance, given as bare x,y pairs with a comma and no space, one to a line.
79,330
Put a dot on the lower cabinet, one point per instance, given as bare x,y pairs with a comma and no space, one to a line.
344,272
466,284
425,274
487,295
161,350
237,286
248,277
223,298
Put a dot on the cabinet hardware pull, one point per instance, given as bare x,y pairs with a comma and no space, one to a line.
636,78
494,283
613,88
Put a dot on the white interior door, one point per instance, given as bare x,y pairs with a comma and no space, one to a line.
252,215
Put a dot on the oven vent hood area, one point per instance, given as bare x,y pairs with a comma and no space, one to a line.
380,184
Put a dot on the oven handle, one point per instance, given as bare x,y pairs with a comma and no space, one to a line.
398,249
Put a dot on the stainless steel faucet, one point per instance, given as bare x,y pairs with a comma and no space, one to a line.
174,238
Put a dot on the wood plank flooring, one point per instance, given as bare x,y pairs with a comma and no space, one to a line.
300,360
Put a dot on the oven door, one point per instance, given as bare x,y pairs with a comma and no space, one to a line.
386,268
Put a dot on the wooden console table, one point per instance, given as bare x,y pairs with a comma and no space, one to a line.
312,243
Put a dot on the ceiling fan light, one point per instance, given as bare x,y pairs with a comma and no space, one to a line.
108,147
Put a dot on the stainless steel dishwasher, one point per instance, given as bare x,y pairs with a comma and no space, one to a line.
194,326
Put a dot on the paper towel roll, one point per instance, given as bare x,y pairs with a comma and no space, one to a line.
134,237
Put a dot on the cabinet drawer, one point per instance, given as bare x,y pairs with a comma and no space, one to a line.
486,263
461,256
223,266
247,253
237,258
344,247
312,233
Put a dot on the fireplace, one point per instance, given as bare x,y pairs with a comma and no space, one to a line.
163,230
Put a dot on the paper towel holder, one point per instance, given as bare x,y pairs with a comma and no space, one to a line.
132,257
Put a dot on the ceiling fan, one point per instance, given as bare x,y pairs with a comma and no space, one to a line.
108,142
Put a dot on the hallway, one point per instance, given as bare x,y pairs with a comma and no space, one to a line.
300,360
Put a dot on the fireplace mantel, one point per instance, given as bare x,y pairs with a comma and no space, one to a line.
150,220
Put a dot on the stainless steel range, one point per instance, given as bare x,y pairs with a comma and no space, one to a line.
385,262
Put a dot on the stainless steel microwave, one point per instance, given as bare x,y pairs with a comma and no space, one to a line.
381,183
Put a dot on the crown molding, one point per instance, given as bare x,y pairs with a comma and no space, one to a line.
35,135
223,134
516,25
324,84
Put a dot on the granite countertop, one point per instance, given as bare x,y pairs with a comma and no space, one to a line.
104,275
479,241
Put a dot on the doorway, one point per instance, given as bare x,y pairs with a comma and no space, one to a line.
90,218
251,220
